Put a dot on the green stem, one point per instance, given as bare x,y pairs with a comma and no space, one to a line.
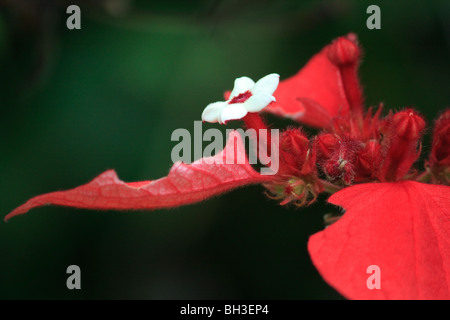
329,187
424,176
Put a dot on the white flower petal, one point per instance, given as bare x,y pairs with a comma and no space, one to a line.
241,85
212,111
267,84
233,112
258,101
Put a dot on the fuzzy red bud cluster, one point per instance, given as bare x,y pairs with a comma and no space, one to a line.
358,145
376,150
299,183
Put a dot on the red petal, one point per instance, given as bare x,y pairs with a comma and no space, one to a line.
185,184
404,228
314,95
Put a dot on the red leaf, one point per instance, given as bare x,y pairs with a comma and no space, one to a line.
404,228
184,184
314,95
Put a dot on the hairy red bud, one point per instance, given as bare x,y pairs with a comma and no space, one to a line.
404,130
299,183
408,124
440,152
343,51
294,152
345,54
439,161
367,160
341,164
326,144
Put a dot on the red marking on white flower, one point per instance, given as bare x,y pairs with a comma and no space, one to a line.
247,96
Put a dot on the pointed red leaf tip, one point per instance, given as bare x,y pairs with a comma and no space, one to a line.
317,93
185,184
403,228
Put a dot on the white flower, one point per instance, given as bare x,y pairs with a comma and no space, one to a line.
247,96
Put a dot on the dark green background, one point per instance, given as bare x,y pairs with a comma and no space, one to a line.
75,103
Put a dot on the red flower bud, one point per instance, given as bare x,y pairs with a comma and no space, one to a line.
341,164
299,183
326,144
367,161
439,162
344,51
440,152
345,54
294,152
404,130
346,127
408,124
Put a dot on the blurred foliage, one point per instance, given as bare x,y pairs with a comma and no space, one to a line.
78,102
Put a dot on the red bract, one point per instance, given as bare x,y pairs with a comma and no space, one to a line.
316,93
403,228
184,184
